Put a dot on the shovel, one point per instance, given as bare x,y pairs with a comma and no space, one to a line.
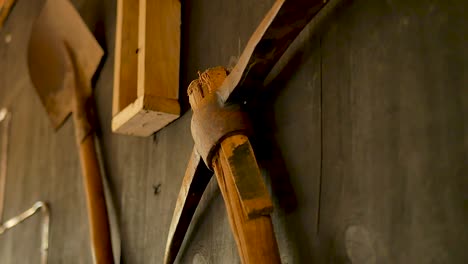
62,58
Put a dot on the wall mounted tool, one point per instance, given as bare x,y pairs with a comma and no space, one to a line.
39,206
5,117
63,56
220,130
146,73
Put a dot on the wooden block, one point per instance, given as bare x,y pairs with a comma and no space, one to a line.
146,80
126,55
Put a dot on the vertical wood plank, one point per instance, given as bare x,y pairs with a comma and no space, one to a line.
126,55
393,148
159,44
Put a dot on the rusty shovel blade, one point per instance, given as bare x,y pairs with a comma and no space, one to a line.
50,73
58,27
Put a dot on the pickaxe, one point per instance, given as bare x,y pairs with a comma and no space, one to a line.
220,130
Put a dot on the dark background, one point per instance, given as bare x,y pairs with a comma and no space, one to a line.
361,134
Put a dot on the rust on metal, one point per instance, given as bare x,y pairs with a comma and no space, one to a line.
232,157
212,122
63,56
50,68
281,25
50,73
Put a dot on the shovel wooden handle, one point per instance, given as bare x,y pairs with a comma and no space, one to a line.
96,203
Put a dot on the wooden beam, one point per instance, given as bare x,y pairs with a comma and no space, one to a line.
126,55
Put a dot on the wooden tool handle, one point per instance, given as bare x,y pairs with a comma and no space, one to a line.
99,227
254,236
84,117
247,200
96,203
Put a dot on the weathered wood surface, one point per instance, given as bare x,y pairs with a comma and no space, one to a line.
125,55
384,177
255,236
147,66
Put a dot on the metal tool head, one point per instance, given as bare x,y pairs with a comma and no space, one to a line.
49,70
281,25
50,67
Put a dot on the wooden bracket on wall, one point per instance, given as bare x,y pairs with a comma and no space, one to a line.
146,73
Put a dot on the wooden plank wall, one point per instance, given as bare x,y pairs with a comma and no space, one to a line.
363,139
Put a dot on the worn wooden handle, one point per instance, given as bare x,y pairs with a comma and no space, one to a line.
96,203
99,228
84,117
246,197
255,237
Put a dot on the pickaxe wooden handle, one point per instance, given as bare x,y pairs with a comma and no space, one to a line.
255,238
253,233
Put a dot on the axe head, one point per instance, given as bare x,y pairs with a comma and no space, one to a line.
57,32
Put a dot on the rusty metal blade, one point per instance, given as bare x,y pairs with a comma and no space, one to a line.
49,71
197,176
50,68
276,32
